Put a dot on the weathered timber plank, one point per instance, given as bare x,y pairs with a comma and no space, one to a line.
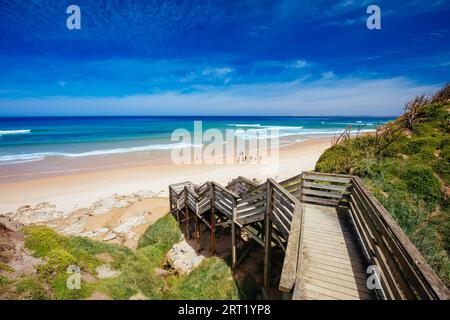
289,271
312,263
251,219
349,286
320,201
333,187
328,194
335,289
247,213
343,277
329,178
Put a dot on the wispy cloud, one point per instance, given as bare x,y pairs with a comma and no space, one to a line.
282,56
328,75
352,96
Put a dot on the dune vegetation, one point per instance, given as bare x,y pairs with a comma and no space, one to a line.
136,270
406,164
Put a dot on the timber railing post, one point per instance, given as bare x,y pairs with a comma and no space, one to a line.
186,213
213,220
302,182
233,234
267,235
178,210
197,228
170,200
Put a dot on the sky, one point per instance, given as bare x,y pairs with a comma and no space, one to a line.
253,57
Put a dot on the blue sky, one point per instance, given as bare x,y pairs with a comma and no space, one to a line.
220,57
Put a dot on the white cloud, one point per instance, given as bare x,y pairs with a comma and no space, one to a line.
290,64
298,64
351,96
209,74
217,72
328,75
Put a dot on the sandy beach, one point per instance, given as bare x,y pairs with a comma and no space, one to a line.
117,201
79,190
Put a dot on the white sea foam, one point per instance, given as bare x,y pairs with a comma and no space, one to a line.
282,127
245,125
298,131
4,132
41,155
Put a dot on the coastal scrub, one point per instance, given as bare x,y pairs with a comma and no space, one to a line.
406,164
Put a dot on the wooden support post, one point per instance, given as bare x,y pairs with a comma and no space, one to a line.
177,208
267,235
170,200
233,235
197,229
178,214
213,221
186,216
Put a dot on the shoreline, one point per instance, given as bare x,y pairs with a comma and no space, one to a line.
69,192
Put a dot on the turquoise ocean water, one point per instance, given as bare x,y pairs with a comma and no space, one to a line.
34,139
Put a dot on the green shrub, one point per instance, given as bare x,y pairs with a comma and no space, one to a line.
404,211
29,288
163,233
140,276
445,147
425,156
116,288
334,160
442,168
211,280
425,129
153,254
86,251
420,181
62,292
5,267
3,281
58,261
423,143
408,176
429,242
41,240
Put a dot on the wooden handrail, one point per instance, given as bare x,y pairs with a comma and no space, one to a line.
218,186
283,191
293,254
421,280
405,273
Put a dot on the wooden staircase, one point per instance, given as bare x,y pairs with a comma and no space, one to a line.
333,231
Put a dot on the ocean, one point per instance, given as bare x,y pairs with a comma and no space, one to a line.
27,139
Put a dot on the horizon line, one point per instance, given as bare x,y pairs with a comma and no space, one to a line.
204,116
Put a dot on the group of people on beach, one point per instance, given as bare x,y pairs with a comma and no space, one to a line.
244,159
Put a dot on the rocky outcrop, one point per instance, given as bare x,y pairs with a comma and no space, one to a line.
183,258
119,218
41,213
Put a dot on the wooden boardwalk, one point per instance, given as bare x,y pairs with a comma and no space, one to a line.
333,266
338,241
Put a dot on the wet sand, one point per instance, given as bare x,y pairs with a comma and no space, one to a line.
80,183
